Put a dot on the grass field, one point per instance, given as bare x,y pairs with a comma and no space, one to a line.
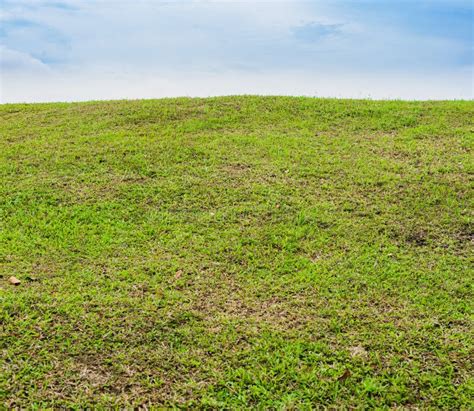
236,252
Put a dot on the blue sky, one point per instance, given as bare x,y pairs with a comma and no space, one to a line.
67,50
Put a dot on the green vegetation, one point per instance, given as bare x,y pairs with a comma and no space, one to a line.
237,252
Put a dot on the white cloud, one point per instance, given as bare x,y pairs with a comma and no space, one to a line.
103,49
20,61
100,85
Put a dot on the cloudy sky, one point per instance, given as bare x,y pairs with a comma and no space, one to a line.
67,50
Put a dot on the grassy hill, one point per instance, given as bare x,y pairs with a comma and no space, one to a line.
237,252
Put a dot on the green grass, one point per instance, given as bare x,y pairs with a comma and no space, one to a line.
237,252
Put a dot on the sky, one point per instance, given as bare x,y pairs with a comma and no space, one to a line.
75,50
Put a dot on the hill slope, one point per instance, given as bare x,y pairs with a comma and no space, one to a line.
238,251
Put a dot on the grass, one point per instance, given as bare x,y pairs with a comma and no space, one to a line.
237,252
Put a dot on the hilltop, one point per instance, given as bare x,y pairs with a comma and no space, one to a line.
236,252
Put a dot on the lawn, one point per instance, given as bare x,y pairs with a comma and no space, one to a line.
237,252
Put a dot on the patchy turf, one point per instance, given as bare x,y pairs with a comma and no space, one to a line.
237,252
